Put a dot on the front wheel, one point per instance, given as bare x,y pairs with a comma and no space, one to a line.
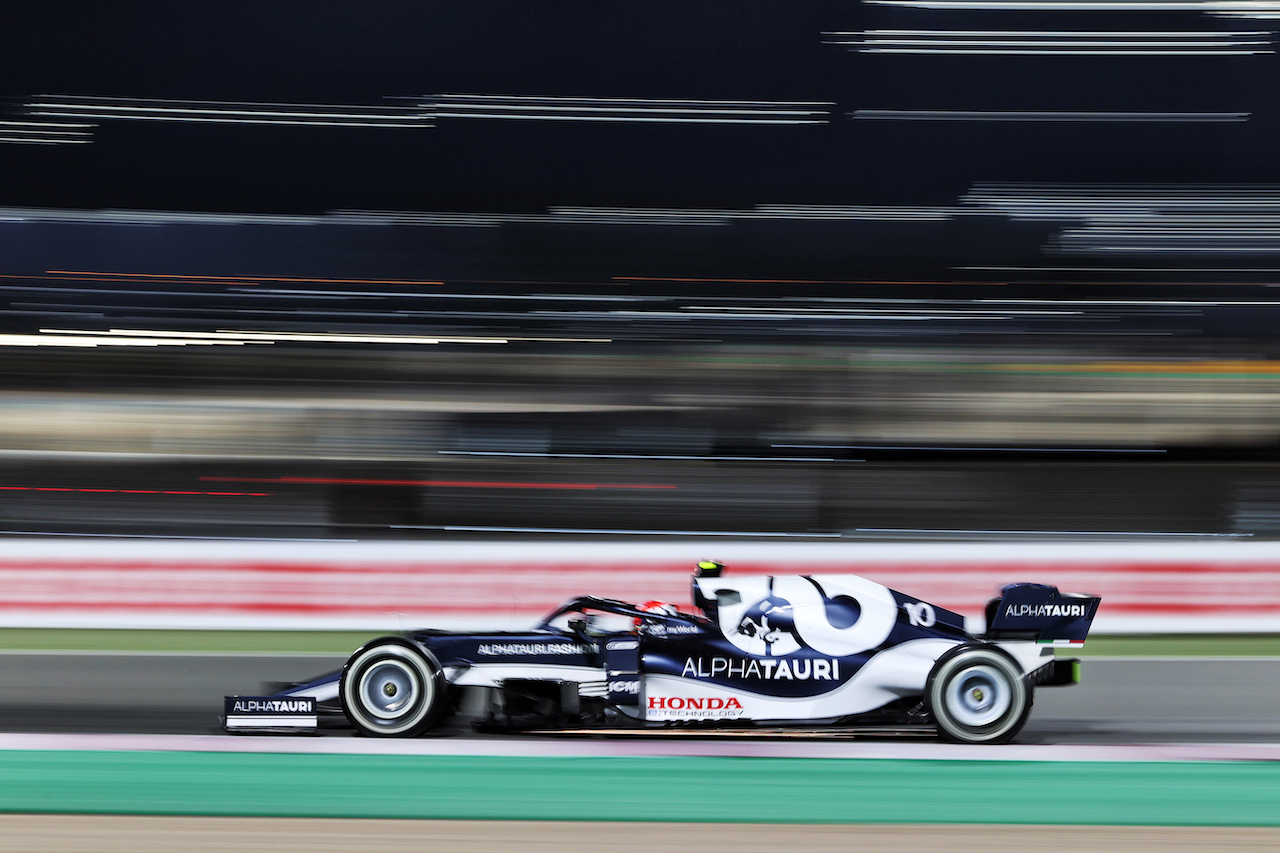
390,688
978,695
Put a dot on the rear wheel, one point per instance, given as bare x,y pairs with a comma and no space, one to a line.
978,695
390,688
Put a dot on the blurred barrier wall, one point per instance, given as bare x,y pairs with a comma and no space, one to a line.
1215,586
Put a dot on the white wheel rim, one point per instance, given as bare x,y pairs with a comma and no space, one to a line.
978,696
388,689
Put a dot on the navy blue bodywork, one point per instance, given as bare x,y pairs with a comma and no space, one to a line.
1039,612
693,646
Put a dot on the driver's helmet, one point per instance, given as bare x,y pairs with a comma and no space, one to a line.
769,620
660,608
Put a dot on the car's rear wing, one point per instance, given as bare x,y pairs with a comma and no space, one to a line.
1032,611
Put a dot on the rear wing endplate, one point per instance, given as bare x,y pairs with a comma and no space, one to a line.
1032,611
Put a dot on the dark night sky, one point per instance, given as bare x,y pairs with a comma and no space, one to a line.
340,53
372,54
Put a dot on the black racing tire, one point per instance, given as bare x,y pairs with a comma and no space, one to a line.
978,694
391,687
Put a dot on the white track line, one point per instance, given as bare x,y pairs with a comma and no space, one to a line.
647,747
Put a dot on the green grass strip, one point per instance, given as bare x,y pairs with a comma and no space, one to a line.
641,789
1179,645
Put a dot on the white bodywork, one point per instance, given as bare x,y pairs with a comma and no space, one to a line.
899,671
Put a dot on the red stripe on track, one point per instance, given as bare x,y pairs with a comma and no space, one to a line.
272,607
457,484
533,610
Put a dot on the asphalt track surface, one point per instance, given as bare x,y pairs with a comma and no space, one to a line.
1120,700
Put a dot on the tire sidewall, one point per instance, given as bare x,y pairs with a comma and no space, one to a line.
427,671
956,661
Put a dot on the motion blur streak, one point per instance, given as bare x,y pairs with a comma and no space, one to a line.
836,212
155,338
455,484
223,112
647,244
1056,43
89,339
151,217
1013,51
538,108
1260,9
77,275
134,491
963,449
514,454
555,216
1043,115
1071,200
1013,200
45,133
622,531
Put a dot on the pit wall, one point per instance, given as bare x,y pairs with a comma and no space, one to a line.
1146,587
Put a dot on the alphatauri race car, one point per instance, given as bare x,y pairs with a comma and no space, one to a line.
802,652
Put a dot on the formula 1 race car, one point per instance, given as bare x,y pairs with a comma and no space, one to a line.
787,651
